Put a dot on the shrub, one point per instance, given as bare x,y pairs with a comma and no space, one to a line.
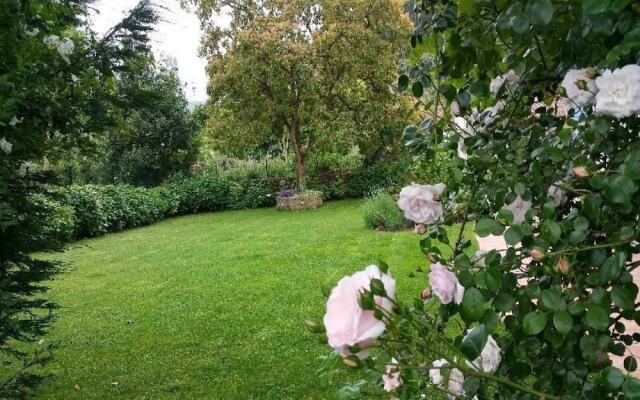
544,154
380,211
49,219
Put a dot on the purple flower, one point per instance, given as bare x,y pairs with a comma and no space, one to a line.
288,193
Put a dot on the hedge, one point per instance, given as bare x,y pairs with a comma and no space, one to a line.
81,211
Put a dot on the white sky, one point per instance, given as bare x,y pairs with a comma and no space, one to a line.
177,37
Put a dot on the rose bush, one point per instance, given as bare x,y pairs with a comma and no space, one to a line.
545,317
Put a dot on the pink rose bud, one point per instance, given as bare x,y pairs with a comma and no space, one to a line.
580,171
455,108
347,323
426,294
536,254
419,229
349,362
563,266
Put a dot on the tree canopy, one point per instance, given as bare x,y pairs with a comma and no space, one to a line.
320,72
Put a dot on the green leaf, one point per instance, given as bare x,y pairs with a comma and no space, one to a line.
534,322
553,300
581,224
597,318
551,231
473,305
623,297
403,82
417,89
473,343
612,378
619,5
631,388
595,6
563,322
488,226
513,235
610,270
540,12
630,364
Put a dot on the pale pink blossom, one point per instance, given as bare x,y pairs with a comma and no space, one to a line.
518,208
445,285
346,323
580,87
421,204
391,377
490,358
619,92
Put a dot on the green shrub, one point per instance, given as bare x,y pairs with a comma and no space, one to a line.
98,209
49,219
380,211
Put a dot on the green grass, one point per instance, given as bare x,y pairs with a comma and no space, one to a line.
216,303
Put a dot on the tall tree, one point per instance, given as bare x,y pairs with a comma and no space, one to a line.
320,71
51,98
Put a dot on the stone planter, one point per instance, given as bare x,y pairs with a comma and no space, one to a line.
301,201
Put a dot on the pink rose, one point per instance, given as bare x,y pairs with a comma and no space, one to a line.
391,377
445,285
421,204
347,324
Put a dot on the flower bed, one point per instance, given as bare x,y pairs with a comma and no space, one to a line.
291,200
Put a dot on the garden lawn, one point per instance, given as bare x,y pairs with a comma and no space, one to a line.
211,306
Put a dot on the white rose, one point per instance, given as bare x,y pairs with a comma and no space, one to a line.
445,285
346,323
518,208
446,377
577,95
51,41
462,149
5,145
619,93
15,121
489,115
391,377
464,130
420,203
478,258
510,78
558,194
489,360
33,32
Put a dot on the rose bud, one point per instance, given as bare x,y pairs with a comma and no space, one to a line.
580,171
432,257
419,229
455,108
563,266
536,254
426,294
350,363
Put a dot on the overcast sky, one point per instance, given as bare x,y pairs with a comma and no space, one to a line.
177,37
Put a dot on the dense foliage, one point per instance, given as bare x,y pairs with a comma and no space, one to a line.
52,92
314,74
538,100
80,211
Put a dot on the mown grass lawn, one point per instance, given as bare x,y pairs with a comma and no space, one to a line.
211,306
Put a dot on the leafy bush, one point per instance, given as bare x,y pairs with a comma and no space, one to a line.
380,211
538,104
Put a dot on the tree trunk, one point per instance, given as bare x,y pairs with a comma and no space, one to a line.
294,133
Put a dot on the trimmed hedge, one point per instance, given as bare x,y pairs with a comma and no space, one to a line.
91,210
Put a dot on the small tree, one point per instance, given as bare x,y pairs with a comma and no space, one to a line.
52,91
